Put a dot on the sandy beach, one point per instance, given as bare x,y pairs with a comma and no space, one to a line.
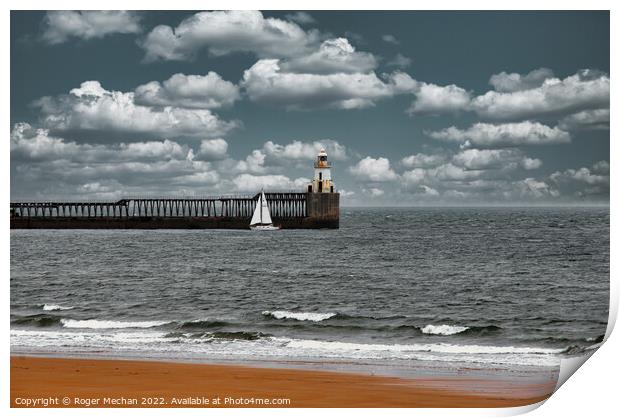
62,382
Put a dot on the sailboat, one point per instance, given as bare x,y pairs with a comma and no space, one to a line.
261,220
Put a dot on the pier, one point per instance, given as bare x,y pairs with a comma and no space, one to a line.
288,209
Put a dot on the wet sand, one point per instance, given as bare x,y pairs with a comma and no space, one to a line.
61,382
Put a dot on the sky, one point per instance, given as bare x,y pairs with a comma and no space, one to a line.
413,108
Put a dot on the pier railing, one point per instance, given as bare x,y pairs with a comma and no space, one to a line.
281,205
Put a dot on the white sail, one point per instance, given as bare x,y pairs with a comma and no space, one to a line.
261,212
266,216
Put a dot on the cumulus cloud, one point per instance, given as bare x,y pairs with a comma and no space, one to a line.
28,143
333,56
532,188
586,119
190,91
298,150
52,166
213,148
253,183
92,108
475,159
508,134
302,18
423,160
584,175
587,89
374,170
61,25
434,99
224,32
505,82
535,95
265,82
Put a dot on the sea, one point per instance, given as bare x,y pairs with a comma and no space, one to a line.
398,291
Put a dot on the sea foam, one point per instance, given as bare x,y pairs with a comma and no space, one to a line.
300,316
102,324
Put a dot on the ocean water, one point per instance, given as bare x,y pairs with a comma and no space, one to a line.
404,289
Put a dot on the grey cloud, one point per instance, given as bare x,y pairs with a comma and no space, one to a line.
587,89
586,119
92,108
473,159
189,91
265,82
333,56
61,25
224,32
434,99
504,82
302,18
508,134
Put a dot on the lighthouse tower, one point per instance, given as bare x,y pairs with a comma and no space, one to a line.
322,182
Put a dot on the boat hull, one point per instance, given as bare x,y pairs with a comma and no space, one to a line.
264,228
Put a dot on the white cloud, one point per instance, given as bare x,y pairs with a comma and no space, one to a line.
534,95
532,188
333,56
582,174
423,160
265,82
584,182
252,183
92,108
224,32
375,192
302,18
391,39
191,91
37,144
434,99
253,163
374,170
531,163
490,135
64,24
476,159
586,119
505,82
585,90
399,61
601,167
213,148
298,150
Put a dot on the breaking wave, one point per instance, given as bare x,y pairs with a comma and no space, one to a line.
461,330
47,307
443,329
300,316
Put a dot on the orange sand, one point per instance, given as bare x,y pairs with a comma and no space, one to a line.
109,383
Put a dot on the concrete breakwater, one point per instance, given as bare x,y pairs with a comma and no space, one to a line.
289,210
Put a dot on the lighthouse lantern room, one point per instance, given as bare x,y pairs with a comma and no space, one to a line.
322,182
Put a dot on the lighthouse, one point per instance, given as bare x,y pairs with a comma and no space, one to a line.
322,182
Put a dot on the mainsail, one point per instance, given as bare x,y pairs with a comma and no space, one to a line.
261,213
